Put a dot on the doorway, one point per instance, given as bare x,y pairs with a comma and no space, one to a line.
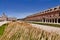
58,20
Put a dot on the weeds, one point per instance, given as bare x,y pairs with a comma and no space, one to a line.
24,31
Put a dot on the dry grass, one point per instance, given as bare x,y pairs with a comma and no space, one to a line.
24,31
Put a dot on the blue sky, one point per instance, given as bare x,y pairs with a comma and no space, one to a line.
23,8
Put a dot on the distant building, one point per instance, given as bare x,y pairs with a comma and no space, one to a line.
20,19
12,19
51,15
6,18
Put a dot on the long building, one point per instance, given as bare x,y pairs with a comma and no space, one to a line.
51,15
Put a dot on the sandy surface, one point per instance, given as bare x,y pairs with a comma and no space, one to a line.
47,28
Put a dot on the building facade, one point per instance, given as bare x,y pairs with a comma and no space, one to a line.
6,18
51,15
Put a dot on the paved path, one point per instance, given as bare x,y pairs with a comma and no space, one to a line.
1,23
47,28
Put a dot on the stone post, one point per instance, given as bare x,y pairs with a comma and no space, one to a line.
54,20
45,20
42,20
57,20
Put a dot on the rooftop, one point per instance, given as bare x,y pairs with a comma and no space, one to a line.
46,11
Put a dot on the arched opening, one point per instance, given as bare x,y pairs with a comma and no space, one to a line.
43,19
58,20
53,20
50,20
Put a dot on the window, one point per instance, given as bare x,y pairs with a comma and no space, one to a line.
55,8
47,10
50,9
42,12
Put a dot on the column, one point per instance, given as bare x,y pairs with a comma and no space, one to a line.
45,20
57,20
54,20
42,20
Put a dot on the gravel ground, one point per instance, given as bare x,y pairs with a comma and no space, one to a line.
47,28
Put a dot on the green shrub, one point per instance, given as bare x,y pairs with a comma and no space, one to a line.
2,28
